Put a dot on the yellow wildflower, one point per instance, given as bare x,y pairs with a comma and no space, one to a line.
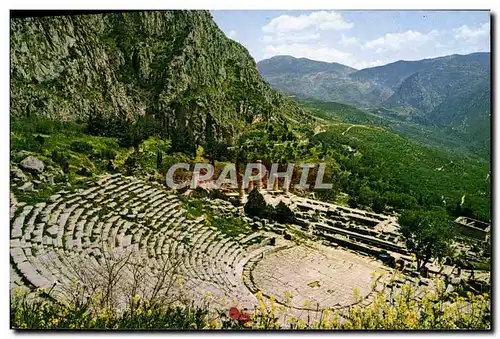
248,324
262,307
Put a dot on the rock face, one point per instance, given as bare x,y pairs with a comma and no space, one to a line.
174,66
33,164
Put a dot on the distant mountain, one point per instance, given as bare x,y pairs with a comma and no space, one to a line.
284,64
325,81
451,91
437,80
392,75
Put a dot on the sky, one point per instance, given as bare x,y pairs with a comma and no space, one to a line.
359,39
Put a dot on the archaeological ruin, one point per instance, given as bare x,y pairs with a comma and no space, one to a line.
329,251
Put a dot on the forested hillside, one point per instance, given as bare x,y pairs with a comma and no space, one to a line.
384,169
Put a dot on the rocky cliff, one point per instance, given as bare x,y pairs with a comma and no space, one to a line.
175,66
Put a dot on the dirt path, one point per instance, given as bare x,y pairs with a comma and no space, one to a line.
347,130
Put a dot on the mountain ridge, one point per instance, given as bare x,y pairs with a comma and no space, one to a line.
434,91
300,65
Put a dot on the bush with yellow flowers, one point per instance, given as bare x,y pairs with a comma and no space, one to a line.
42,313
407,307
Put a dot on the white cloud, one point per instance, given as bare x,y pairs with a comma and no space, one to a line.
320,20
302,36
322,53
286,38
232,34
297,36
473,35
396,41
368,64
351,41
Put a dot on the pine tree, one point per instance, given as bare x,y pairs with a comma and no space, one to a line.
256,205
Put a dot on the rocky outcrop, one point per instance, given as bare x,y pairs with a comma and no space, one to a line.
33,164
174,66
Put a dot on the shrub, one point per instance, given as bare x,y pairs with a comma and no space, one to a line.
81,147
28,144
194,207
407,309
43,126
283,214
84,171
131,164
61,158
128,133
151,153
256,205
230,226
378,204
46,314
107,154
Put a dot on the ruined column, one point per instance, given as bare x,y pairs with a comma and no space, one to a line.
275,183
241,190
265,179
259,182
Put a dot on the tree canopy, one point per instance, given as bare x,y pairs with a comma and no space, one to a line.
427,233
